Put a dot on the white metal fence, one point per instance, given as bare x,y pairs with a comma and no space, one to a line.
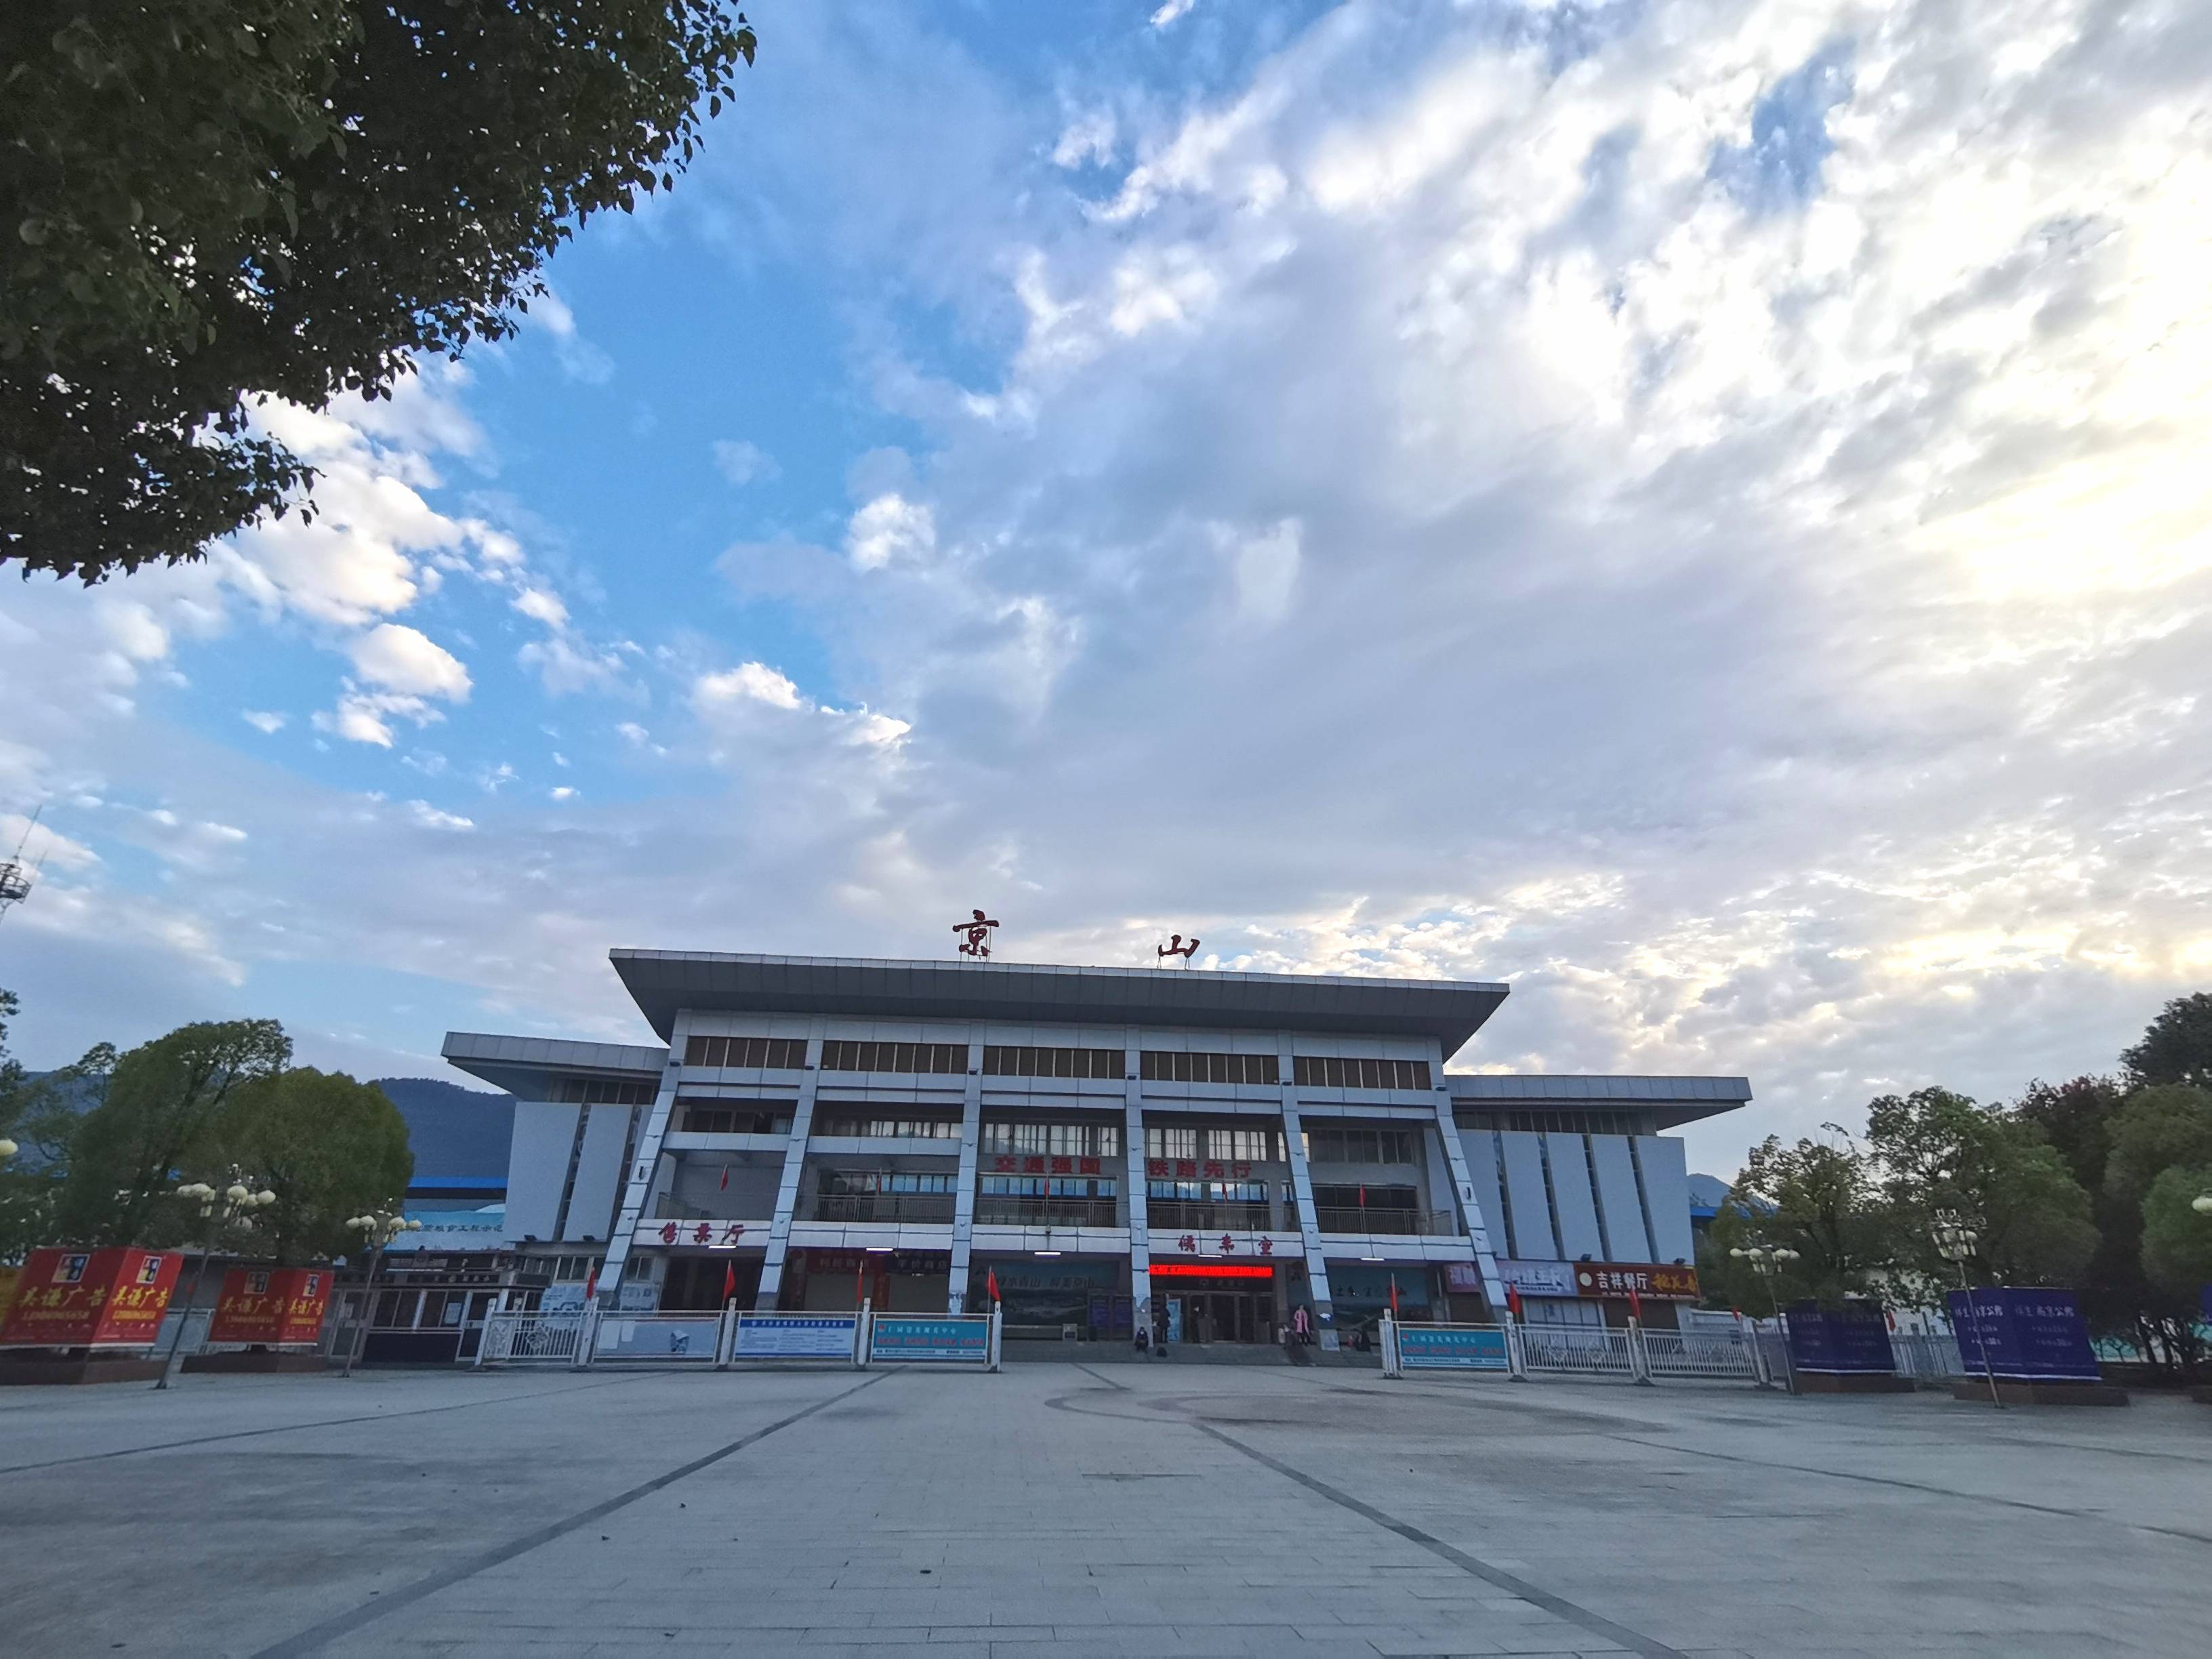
1578,1350
1725,1355
528,1338
1927,1354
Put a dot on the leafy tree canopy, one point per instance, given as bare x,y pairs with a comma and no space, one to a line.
1941,1152
327,1146
2176,1242
2159,1127
158,1109
208,202
1816,1198
2177,1046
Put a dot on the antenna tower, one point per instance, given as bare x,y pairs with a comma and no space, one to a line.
15,876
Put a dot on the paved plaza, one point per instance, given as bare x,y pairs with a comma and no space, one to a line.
1070,1510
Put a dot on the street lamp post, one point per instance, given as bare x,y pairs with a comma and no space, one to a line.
218,1209
1769,1262
378,1228
1956,1243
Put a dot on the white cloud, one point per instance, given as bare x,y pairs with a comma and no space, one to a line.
562,792
431,818
753,680
403,659
268,722
1171,12
579,358
743,462
541,605
890,529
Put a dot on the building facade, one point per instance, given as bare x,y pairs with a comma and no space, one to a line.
1204,1153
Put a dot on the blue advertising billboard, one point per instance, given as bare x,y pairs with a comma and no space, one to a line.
1444,1349
795,1336
1849,1340
939,1339
2031,1335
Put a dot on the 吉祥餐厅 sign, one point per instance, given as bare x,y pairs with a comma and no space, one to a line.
1618,1279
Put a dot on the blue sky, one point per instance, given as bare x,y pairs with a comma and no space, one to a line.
1691,509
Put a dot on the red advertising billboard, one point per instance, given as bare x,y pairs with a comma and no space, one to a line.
272,1305
73,1299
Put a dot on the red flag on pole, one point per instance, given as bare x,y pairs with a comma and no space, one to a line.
1635,1305
729,1281
592,1284
1513,1301
1394,1295
991,1284
724,1184
1362,1195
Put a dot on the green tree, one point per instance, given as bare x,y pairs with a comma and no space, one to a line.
159,1106
1818,1197
2081,1119
2176,1242
327,1146
208,202
1939,1151
2159,1127
2178,1046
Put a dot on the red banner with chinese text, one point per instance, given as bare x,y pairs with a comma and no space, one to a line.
272,1305
72,1298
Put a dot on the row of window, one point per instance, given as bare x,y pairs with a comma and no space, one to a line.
1571,1123
606,1092
572,1269
1053,1062
1046,1187
1335,1072
1223,1144
903,1128
1164,1066
925,1059
1209,1192
860,1183
1360,1145
1366,1198
1061,1140
732,1118
760,1054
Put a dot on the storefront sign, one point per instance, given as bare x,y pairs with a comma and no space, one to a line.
707,1234
91,1298
2029,1334
906,1338
1615,1279
1451,1350
878,1261
1537,1277
1259,1246
795,1336
1840,1340
1009,1163
272,1305
1195,1169
1463,1278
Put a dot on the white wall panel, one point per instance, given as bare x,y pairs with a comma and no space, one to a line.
1571,1193
1667,1190
1524,1186
536,1164
1623,1211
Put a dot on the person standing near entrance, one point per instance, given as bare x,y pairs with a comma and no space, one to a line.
1301,1324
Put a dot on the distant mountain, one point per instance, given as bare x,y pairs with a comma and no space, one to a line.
457,1133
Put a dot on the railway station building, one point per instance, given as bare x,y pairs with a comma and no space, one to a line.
1207,1152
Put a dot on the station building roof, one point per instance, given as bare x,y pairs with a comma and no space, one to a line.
663,981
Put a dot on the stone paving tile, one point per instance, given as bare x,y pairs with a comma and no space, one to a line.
1051,1514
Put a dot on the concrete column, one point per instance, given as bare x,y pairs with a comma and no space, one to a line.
1133,1144
1470,1208
1302,1194
964,1203
794,1166
638,1179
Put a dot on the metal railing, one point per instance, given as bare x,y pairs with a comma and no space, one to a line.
1722,1354
1001,1212
1578,1350
1375,1222
1174,1215
524,1338
661,1338
924,1207
1927,1354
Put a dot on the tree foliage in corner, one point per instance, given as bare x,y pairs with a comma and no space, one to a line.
208,202
327,1146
